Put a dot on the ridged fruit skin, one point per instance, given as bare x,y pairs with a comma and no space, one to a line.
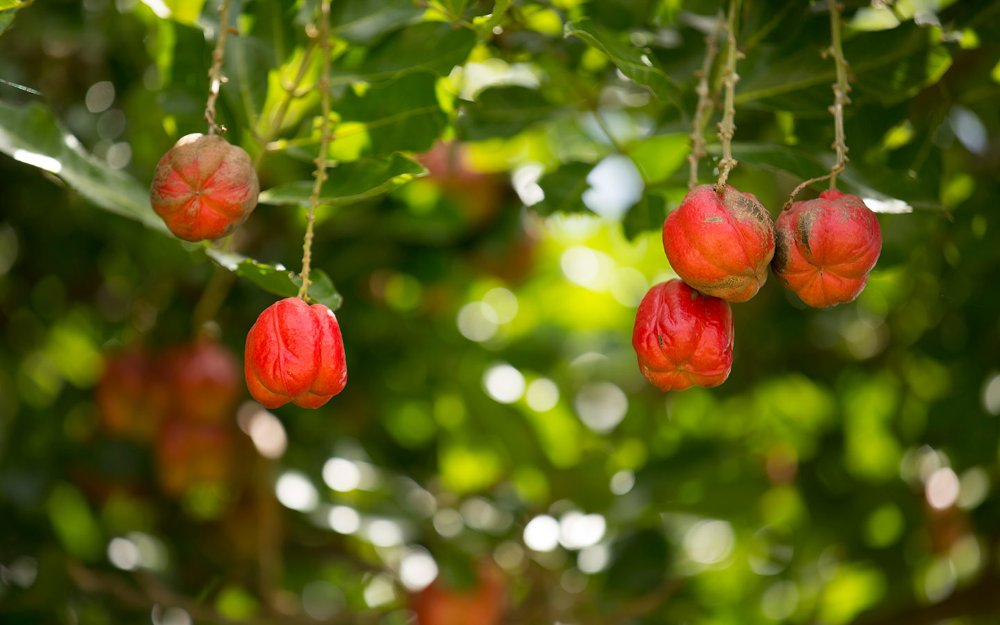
203,187
826,248
683,338
295,353
720,244
204,379
481,605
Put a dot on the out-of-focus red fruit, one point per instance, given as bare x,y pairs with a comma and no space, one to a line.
480,605
826,248
720,243
295,353
204,380
131,397
476,193
203,187
190,453
683,338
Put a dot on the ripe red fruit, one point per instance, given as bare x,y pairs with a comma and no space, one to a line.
826,248
203,377
720,244
130,395
189,453
481,605
295,353
203,187
683,338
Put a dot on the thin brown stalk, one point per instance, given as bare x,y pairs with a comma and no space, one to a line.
703,110
727,127
216,79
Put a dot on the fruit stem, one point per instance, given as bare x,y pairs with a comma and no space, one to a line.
703,110
322,31
216,79
840,90
727,127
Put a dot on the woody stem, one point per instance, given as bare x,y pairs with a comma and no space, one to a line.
215,72
703,110
840,90
727,127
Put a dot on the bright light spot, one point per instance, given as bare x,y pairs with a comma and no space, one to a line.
170,616
480,514
119,155
593,559
542,395
578,530
38,160
601,406
448,523
384,533
100,96
542,533
525,183
152,552
622,482
942,488
344,520
969,130
503,383
991,395
615,185
417,570
629,286
780,600
158,7
341,475
509,555
264,429
891,206
709,542
295,491
975,486
581,265
379,591
477,322
503,302
123,554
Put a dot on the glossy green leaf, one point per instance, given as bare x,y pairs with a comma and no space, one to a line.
564,189
632,61
401,114
350,183
502,112
659,156
407,50
277,279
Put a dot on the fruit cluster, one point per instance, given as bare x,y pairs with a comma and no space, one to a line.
721,242
183,400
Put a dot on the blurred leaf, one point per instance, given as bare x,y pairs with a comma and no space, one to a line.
659,156
247,63
487,22
350,183
632,61
73,522
430,47
564,189
648,214
638,563
502,112
361,21
8,9
31,135
277,279
401,114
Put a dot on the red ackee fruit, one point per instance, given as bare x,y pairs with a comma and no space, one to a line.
295,353
683,338
720,243
190,453
203,187
826,248
204,381
480,605
131,397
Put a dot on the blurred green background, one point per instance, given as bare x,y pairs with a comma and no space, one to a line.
502,171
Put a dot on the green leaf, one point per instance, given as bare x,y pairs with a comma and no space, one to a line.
247,63
277,279
648,214
486,23
502,112
430,47
402,114
659,156
32,135
9,9
362,21
564,189
350,183
632,61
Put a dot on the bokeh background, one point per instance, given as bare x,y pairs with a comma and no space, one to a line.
491,225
